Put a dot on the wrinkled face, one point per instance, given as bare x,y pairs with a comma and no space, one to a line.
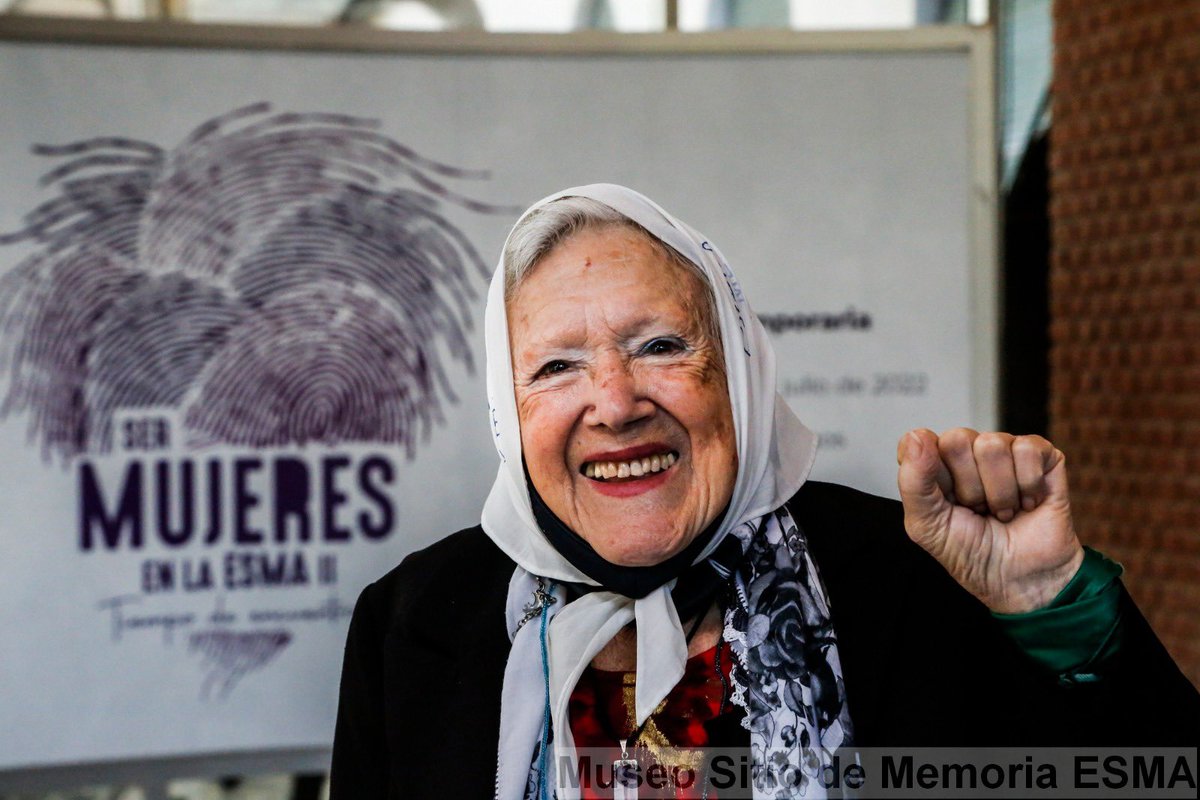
625,418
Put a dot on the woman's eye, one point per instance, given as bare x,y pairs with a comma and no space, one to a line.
551,368
660,347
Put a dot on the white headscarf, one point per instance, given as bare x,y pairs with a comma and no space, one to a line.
775,453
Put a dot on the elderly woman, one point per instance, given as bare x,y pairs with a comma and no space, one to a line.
655,575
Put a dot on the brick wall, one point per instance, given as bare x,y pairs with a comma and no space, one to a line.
1125,294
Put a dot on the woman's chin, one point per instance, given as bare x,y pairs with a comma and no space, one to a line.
634,554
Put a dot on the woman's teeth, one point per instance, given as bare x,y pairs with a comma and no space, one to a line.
607,470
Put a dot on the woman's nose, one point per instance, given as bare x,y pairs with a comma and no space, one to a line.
618,397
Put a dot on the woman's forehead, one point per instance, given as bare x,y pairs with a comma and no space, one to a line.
573,319
609,256
614,278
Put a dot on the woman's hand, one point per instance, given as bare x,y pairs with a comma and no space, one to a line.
992,508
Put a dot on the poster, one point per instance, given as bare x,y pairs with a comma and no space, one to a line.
240,313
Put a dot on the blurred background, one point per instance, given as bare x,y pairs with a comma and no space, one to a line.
550,16
1096,152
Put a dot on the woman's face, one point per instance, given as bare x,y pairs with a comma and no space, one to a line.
614,374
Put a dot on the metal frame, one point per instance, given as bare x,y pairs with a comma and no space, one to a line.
977,42
360,38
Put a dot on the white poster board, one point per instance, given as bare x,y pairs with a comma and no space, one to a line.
253,272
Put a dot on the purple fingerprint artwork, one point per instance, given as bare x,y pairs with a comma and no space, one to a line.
274,280
228,656
278,279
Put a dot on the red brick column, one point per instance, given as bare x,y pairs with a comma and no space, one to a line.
1125,294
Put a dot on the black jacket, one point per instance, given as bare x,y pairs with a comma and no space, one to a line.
924,662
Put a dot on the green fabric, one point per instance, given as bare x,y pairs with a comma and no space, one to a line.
1081,627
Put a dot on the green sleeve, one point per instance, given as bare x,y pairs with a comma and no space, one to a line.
1081,627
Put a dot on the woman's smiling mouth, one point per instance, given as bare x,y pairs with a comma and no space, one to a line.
629,468
633,473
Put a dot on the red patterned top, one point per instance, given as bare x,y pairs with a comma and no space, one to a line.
602,713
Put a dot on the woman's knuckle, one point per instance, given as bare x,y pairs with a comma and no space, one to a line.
1030,443
955,443
992,444
958,435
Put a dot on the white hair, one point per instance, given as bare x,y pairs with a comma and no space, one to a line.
545,228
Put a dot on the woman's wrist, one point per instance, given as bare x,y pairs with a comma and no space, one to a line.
1080,629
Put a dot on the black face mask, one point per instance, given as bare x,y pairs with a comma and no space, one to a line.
693,593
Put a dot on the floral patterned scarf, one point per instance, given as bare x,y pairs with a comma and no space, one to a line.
786,674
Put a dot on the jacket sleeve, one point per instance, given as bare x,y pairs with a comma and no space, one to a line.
359,769
1080,630
1138,696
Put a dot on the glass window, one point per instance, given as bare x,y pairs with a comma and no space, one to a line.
540,16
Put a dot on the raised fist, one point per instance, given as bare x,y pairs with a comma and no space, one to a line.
992,508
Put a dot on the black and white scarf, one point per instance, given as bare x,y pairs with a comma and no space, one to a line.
787,674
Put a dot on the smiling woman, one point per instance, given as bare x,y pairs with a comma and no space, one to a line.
656,581
624,412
